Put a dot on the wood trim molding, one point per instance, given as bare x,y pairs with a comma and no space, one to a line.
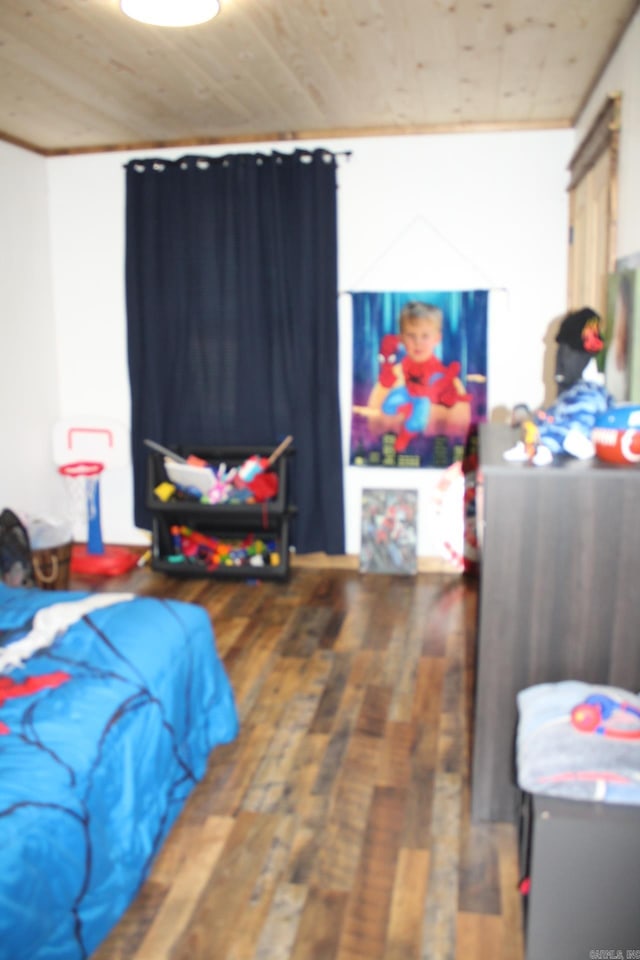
604,133
351,561
336,133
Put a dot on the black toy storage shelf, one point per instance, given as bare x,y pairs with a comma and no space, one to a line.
262,528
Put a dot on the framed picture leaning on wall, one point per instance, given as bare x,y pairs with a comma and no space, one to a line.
389,532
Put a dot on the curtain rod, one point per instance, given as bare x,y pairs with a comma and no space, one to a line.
334,153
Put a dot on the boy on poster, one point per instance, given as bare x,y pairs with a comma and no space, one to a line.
419,380
418,411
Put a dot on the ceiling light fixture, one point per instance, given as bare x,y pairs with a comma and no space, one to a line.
171,13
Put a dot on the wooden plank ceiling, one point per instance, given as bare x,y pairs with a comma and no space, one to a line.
77,75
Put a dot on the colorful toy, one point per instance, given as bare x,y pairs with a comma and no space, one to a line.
252,482
256,477
616,434
164,491
593,714
255,465
212,552
222,487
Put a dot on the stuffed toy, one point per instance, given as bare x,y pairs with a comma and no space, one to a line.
564,428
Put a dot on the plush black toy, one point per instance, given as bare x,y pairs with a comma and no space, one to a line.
579,339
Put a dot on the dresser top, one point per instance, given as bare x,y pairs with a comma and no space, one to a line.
495,439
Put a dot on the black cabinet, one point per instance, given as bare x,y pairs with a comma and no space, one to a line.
582,860
240,528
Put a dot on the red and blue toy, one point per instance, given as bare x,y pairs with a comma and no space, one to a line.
616,434
594,714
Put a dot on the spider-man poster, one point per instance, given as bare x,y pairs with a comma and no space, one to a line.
419,376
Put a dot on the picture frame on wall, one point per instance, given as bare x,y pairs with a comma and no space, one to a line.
389,535
621,360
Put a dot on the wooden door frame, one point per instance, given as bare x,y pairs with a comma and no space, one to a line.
603,135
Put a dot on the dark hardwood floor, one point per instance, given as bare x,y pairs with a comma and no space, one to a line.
336,827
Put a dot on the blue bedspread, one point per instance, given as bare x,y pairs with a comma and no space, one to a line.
102,737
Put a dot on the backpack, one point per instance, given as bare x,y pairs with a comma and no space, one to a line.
16,566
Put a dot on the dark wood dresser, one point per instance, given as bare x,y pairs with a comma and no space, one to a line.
559,595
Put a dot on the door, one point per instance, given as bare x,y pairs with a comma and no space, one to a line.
593,210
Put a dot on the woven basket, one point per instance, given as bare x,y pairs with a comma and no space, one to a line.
51,567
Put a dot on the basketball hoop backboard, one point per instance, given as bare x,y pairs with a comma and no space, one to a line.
98,439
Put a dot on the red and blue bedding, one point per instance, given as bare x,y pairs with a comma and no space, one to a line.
105,728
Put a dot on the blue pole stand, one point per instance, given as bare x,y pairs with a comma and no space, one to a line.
94,544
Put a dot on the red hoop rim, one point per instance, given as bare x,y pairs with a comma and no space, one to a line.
81,468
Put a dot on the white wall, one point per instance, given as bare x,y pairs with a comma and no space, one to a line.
457,212
28,374
462,211
486,211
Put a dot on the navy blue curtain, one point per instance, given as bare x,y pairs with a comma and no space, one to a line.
231,285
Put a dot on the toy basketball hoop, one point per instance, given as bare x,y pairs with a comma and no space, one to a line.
83,486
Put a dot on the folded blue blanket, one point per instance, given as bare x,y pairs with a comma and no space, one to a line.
579,740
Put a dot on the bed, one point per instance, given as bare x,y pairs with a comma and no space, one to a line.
108,714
